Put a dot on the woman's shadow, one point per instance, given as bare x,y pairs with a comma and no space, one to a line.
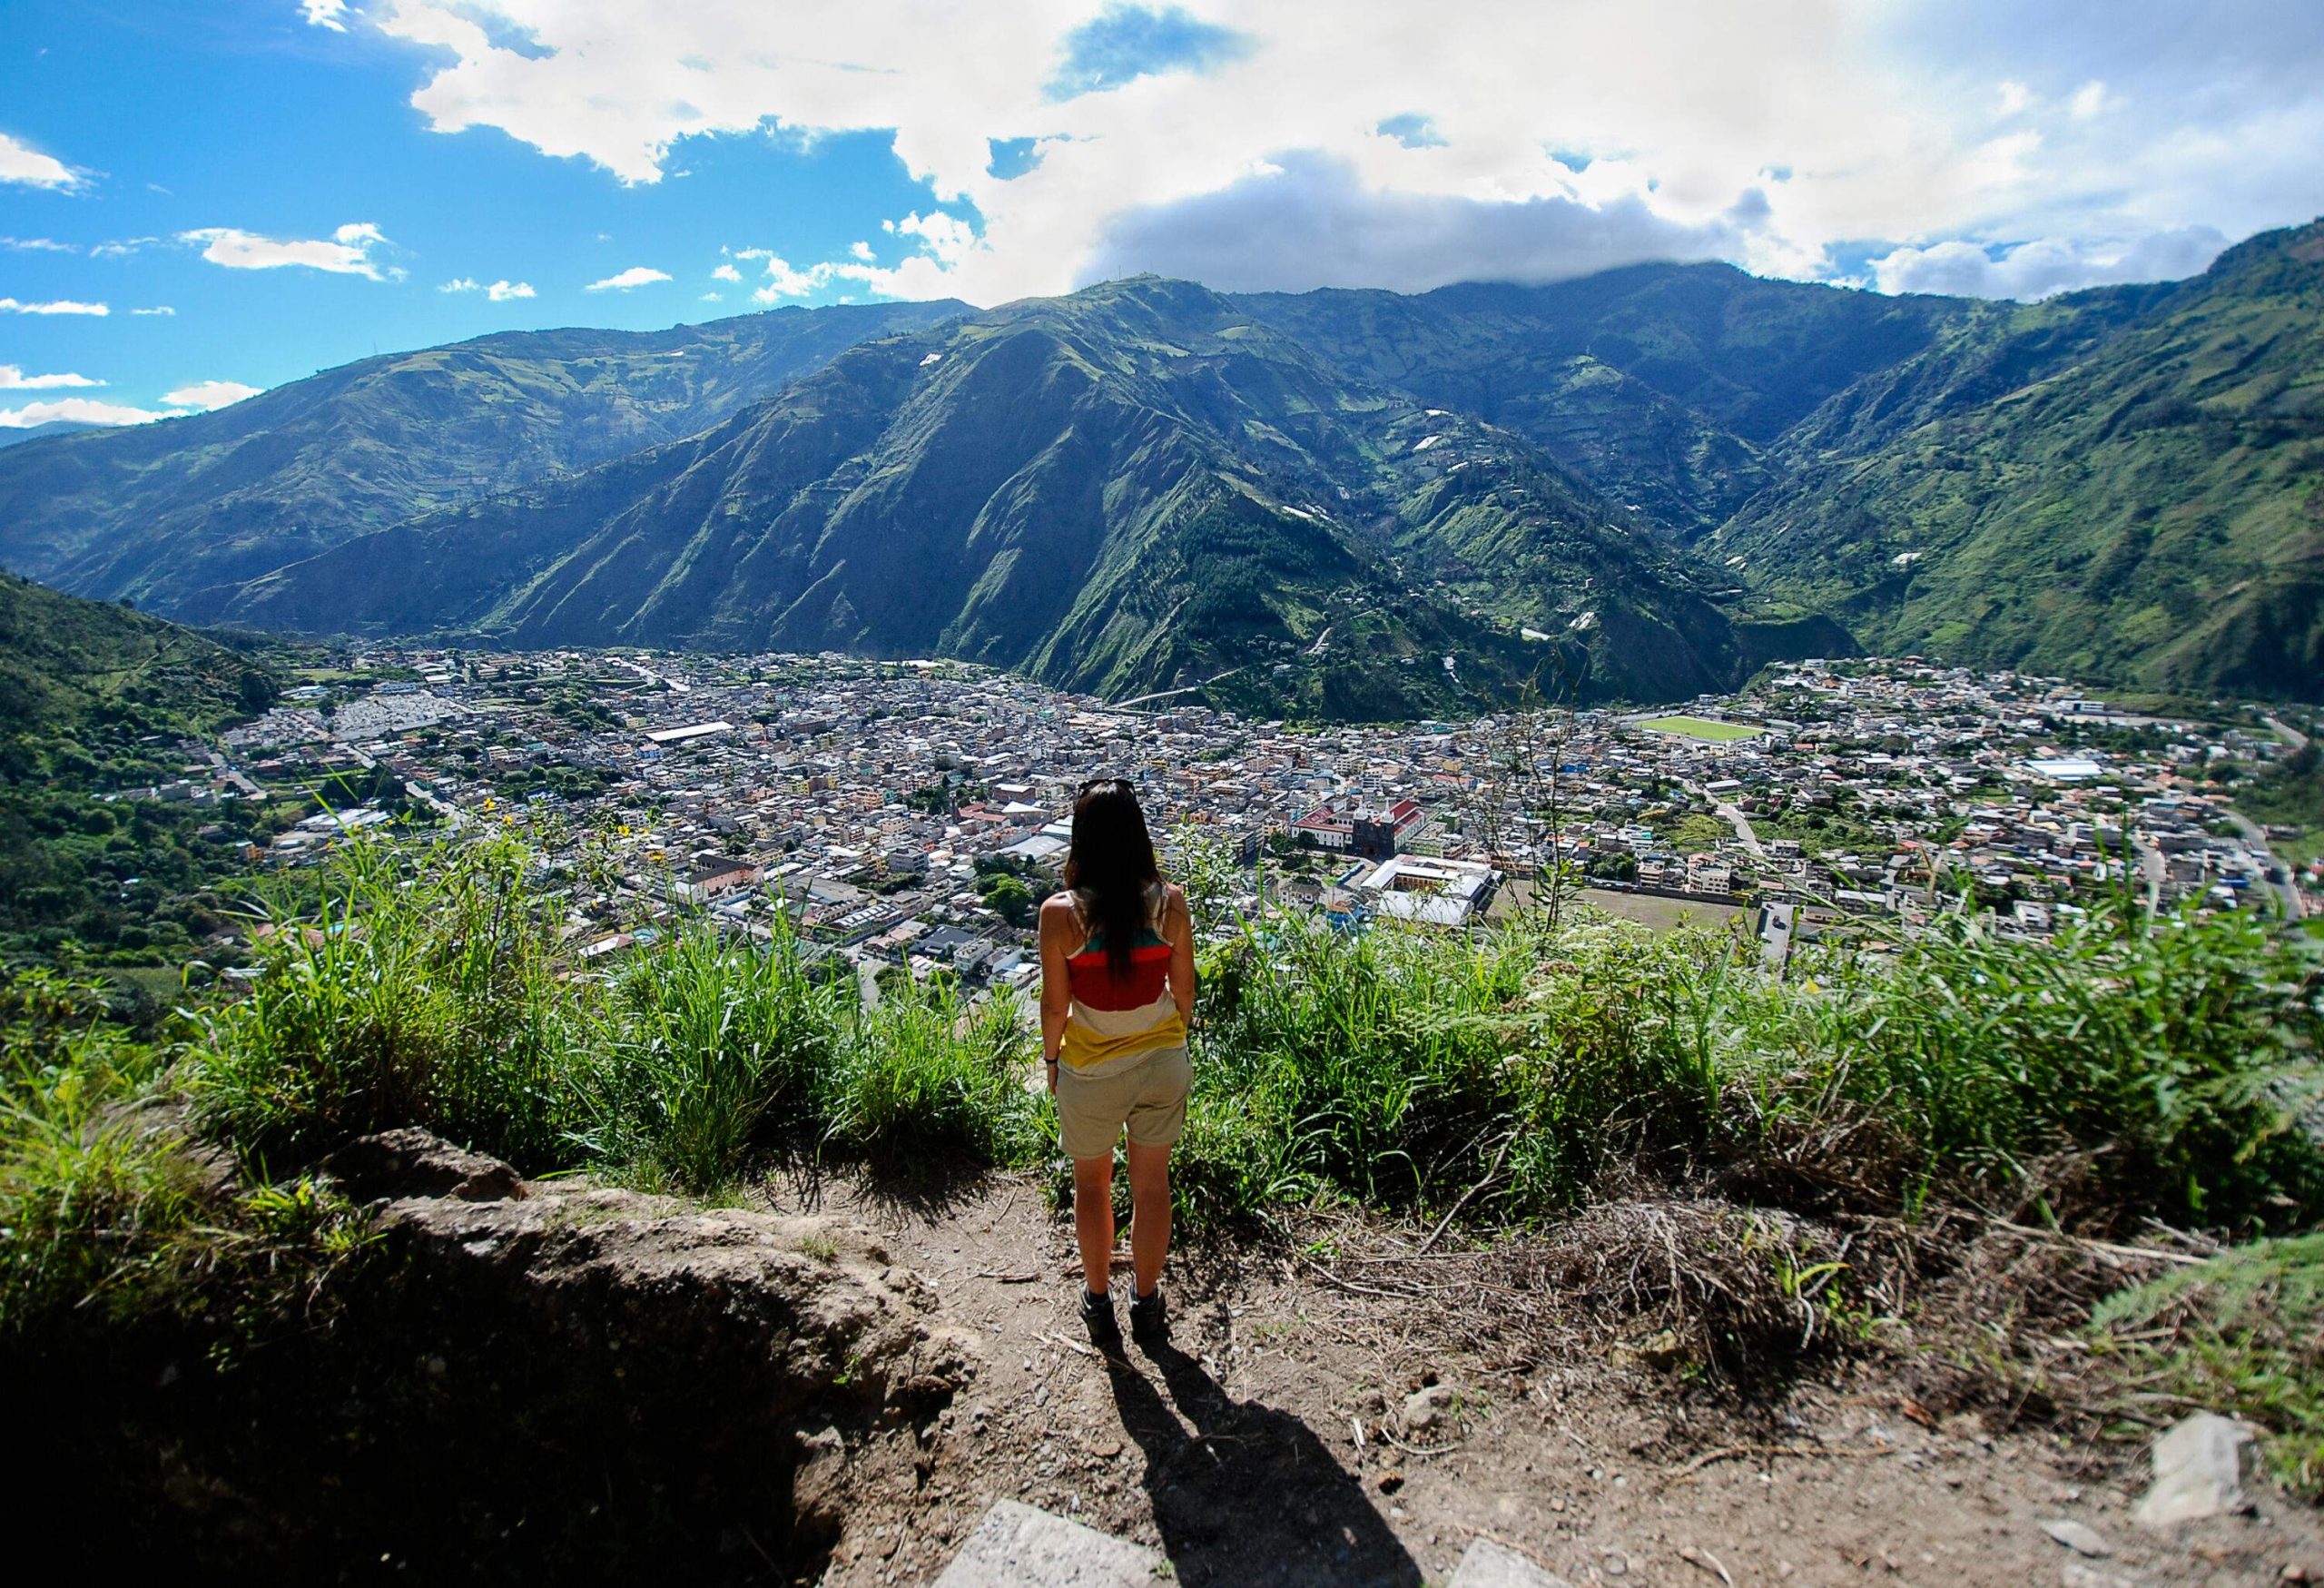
1251,1496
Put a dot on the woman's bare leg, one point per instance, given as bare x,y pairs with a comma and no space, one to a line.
1149,1230
1093,1216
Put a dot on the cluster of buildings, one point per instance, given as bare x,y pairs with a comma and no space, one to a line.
906,813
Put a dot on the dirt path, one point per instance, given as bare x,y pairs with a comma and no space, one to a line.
1235,1447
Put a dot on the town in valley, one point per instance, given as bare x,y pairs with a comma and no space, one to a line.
909,815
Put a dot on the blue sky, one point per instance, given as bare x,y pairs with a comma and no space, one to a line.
298,181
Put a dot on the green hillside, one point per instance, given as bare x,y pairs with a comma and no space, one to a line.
96,698
1132,488
2118,485
1660,385
163,512
86,679
1645,484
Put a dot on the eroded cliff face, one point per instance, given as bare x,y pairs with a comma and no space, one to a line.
539,1380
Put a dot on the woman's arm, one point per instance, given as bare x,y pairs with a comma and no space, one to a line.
1181,927
1057,987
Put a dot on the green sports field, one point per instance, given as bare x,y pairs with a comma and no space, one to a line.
1699,727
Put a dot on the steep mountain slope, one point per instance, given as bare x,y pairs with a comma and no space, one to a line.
78,675
1135,488
1660,385
161,511
2120,484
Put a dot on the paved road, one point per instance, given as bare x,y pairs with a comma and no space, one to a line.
675,686
1739,821
2295,909
1185,689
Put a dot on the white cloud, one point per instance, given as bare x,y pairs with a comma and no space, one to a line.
502,290
54,306
861,250
634,276
347,252
784,282
325,14
726,272
1906,125
79,410
156,308
713,298
461,284
14,379
21,162
2045,265
210,394
1311,223
37,245
121,248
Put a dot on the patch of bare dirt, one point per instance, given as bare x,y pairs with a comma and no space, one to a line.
1353,1407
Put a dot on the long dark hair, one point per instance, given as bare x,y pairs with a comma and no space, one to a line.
1111,864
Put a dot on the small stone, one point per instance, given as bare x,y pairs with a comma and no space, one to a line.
1425,1408
1398,1514
2079,1537
1618,1564
2077,1575
2198,1471
1662,1350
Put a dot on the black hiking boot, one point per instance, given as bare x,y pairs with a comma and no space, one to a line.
1147,1324
1097,1317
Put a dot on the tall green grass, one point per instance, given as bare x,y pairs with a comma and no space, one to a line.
97,1199
924,1078
687,1056
438,987
425,989
2127,1067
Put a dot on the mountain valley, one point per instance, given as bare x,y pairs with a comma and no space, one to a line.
1638,485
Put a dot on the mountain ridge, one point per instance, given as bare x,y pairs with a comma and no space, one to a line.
1677,471
1101,489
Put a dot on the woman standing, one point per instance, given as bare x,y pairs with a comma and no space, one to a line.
1117,989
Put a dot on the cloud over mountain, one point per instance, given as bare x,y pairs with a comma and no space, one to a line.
1792,136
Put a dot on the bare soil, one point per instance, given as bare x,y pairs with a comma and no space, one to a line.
1270,1441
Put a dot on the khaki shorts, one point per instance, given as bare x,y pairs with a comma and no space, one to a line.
1149,1097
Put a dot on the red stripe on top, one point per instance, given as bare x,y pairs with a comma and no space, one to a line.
1092,979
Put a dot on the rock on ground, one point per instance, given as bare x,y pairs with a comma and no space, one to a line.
1487,1565
2198,1471
1020,1546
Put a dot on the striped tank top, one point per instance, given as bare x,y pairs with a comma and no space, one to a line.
1112,1024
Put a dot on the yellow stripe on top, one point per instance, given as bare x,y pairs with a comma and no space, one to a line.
1108,1038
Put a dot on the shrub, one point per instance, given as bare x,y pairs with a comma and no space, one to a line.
423,992
98,1202
695,1047
922,1078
